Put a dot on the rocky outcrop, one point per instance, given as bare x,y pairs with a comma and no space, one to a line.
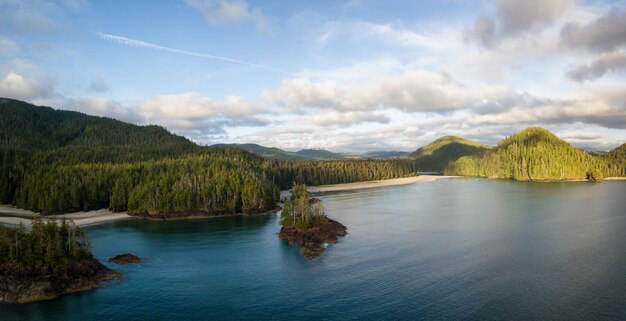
125,259
312,240
20,284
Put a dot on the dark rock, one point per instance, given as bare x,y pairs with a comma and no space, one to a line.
312,239
20,284
125,259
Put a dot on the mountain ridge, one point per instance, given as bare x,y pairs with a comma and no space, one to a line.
436,155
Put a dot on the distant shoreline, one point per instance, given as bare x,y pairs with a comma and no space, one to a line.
374,184
11,215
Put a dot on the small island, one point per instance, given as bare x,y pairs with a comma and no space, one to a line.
124,259
304,222
50,260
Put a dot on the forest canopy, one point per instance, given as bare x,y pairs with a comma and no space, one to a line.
54,161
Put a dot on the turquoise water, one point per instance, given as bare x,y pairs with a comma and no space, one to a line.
450,249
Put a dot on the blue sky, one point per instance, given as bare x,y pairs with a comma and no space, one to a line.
342,75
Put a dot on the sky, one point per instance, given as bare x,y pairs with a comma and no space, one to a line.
349,76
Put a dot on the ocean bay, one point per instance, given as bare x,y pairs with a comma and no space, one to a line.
446,249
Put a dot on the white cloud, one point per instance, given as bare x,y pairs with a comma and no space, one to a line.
607,62
335,118
411,91
192,111
437,37
102,107
228,11
512,18
606,33
14,85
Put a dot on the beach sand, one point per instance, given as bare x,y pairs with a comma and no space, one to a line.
373,184
11,215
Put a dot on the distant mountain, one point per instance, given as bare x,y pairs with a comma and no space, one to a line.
436,155
319,154
266,152
386,154
532,154
279,154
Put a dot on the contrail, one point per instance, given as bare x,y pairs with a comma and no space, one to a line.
147,45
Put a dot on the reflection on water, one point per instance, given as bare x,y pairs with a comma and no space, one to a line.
449,249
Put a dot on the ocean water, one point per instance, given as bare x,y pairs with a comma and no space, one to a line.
454,249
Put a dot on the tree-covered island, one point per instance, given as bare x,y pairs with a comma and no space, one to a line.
304,222
51,259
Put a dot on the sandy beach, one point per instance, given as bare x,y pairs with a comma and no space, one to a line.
12,215
373,184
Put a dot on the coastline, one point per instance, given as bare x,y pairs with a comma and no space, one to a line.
374,184
11,215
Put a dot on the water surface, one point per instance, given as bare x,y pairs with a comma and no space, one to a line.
450,249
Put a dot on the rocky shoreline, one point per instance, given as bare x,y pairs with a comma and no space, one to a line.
312,240
19,284
199,214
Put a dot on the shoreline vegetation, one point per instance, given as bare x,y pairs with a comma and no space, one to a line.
13,216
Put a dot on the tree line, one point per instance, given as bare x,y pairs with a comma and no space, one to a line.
323,172
216,181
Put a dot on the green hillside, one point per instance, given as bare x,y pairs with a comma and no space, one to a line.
532,154
54,161
318,154
23,125
436,155
616,161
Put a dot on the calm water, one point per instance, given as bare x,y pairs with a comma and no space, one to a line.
450,249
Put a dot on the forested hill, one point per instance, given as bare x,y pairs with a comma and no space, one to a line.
532,154
436,155
319,154
616,161
23,125
54,161
79,137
